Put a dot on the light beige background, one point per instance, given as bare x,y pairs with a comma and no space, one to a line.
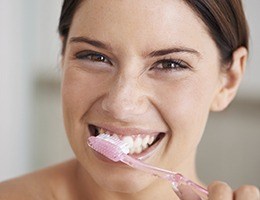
31,130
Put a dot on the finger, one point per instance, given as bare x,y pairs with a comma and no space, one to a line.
247,192
220,191
186,193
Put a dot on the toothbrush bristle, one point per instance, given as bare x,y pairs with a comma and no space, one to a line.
109,146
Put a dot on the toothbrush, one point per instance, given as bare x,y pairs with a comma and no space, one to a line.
116,150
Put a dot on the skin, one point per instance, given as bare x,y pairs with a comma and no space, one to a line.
127,88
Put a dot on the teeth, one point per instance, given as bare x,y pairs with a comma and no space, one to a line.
138,150
151,140
145,142
138,141
101,130
129,140
131,151
136,144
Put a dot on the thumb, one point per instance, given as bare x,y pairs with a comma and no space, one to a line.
185,192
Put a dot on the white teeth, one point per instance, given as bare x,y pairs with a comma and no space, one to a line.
138,141
131,151
138,150
136,144
151,140
129,140
145,142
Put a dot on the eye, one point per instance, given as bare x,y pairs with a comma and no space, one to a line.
171,65
92,56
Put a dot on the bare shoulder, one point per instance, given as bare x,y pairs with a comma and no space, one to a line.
18,188
39,185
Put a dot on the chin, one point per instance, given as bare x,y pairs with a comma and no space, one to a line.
126,181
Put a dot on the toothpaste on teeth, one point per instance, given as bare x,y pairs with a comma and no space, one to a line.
136,143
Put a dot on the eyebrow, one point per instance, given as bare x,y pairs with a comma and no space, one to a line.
157,53
92,42
163,52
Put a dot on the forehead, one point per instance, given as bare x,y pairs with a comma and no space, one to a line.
140,23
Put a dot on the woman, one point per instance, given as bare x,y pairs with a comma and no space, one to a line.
148,71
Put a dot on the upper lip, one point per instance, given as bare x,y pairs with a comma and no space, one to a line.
124,131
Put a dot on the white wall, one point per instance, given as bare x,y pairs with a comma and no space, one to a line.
29,46
229,150
15,78
251,83
30,112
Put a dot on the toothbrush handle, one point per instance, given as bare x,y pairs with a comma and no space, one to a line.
183,187
165,174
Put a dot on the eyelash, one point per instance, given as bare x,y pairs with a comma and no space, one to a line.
171,64
92,57
175,65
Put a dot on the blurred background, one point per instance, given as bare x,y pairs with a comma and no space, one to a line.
31,130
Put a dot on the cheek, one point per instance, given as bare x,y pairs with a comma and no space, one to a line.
185,110
79,91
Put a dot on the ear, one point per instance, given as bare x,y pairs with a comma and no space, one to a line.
230,80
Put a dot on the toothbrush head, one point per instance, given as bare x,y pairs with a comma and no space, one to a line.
109,146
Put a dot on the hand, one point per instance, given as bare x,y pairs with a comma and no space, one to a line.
222,191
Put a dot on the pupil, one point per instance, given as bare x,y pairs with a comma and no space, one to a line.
98,58
168,65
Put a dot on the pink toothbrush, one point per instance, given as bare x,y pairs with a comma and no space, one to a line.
117,150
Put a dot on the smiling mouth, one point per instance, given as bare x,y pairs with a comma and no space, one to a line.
137,143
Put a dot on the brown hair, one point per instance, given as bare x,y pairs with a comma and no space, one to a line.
68,10
224,19
226,23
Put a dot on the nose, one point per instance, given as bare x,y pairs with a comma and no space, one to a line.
125,99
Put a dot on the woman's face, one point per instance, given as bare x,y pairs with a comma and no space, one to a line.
138,69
